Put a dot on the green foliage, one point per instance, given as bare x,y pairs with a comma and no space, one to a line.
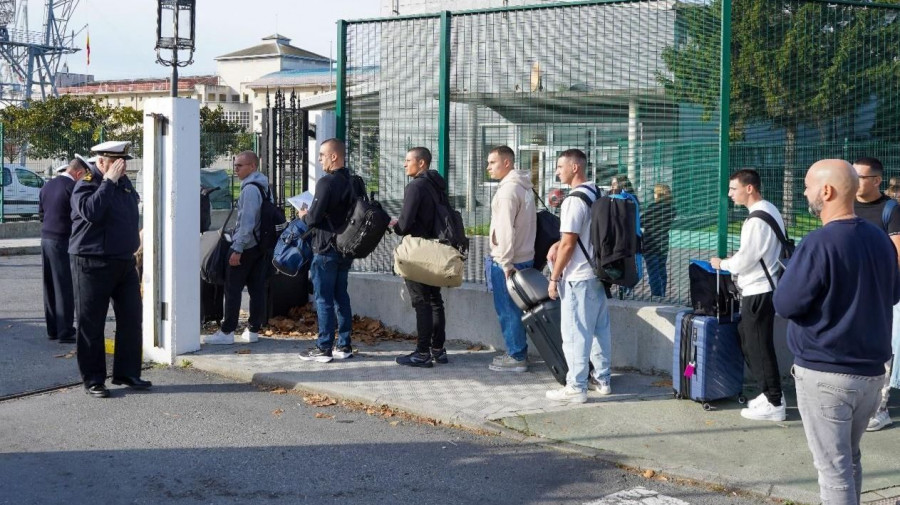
54,128
126,123
219,137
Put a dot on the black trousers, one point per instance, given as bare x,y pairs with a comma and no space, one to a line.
251,273
430,320
757,342
98,280
59,297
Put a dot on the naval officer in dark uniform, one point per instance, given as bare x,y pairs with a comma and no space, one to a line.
56,227
104,239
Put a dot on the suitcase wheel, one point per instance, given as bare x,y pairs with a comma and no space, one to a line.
707,406
742,399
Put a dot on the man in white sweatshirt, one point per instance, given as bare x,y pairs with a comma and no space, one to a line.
512,231
756,266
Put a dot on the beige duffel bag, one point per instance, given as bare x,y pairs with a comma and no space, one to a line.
429,262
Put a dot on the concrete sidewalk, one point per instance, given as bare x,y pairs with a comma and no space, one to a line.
639,425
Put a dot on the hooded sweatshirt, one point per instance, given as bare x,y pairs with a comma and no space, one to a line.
419,200
248,205
513,220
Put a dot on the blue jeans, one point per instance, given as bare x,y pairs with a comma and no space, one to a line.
895,345
509,314
329,272
586,335
656,273
835,409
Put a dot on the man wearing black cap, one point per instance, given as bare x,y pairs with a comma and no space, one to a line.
104,239
56,226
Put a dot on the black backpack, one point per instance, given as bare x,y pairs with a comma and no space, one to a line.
546,235
366,223
787,245
609,216
271,221
448,222
712,293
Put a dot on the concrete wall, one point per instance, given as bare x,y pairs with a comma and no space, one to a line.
642,334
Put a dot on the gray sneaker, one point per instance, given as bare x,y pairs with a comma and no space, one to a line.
507,363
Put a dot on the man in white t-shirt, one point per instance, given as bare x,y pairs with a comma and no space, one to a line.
756,265
585,318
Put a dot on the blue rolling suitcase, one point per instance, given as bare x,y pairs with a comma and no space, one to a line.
707,360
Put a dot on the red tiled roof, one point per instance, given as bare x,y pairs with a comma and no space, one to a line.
133,85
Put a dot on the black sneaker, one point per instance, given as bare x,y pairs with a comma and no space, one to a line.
440,356
345,352
316,354
416,358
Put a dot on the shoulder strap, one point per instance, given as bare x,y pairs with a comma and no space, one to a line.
263,193
765,216
587,201
889,207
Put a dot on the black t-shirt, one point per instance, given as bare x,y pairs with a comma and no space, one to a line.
872,212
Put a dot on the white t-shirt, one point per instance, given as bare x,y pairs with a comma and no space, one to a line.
575,217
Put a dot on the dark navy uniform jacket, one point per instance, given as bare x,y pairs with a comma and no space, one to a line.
104,218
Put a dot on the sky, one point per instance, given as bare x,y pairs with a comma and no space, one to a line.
123,32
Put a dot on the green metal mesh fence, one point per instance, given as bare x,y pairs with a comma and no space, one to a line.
636,85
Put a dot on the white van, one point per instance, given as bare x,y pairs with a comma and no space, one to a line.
21,190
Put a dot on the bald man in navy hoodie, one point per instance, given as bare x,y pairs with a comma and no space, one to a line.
838,294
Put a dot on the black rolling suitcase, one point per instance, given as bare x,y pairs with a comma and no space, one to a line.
284,292
542,325
212,302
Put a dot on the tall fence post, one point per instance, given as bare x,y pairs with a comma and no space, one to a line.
724,127
340,106
444,93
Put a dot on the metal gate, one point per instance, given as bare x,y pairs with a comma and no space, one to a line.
284,147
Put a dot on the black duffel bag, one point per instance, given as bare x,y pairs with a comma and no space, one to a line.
546,235
215,248
713,293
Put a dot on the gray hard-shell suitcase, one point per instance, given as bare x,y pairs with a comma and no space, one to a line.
527,288
542,324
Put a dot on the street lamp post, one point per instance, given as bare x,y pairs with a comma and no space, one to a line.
172,15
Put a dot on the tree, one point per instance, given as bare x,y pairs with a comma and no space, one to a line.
125,123
219,136
15,136
59,127
795,64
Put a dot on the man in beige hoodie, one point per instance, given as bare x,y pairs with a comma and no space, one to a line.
513,227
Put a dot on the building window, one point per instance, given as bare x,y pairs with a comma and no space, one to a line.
246,98
222,97
211,97
239,117
235,98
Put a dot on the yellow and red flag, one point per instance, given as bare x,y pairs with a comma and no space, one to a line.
88,48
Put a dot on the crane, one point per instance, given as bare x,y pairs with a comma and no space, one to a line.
29,60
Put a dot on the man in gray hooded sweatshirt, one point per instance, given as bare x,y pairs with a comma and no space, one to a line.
247,265
512,231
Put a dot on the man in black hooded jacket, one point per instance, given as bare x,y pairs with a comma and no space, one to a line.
423,194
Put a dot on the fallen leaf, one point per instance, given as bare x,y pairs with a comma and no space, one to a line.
277,412
322,415
648,474
476,347
319,400
279,391
394,423
268,333
242,351
67,355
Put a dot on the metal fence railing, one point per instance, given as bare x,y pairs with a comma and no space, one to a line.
638,86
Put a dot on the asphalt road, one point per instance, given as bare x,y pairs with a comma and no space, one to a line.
197,438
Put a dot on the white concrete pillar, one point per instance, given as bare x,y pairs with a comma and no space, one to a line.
171,208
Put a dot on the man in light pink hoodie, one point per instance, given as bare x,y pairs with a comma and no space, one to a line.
513,227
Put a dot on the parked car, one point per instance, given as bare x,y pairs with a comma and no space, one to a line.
21,190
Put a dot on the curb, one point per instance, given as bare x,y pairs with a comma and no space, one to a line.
624,461
20,250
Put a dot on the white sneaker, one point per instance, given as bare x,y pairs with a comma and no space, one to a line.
599,386
765,412
880,420
219,338
759,400
567,394
248,337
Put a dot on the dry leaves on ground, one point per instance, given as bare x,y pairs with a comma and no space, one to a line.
242,351
663,383
476,347
317,400
277,412
322,415
301,323
279,391
67,355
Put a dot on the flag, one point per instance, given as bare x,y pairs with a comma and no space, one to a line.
88,48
